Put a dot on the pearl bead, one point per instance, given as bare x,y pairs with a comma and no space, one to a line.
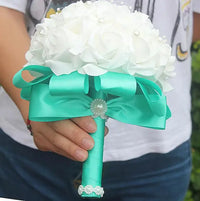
100,20
136,33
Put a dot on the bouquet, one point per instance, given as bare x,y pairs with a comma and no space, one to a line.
98,59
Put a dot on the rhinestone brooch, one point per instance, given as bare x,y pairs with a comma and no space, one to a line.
99,108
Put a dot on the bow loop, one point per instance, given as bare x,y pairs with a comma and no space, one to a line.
73,83
116,84
43,74
154,96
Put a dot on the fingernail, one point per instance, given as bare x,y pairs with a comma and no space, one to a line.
87,143
80,155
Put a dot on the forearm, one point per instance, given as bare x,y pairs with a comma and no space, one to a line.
14,42
196,29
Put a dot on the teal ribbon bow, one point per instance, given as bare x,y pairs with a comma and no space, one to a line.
129,99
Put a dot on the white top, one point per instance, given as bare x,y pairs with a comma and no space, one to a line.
174,20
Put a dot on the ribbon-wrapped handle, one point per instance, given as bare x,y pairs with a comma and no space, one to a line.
92,167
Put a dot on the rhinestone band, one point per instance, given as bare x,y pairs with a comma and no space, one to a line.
90,189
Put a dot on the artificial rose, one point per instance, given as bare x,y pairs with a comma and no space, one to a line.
96,37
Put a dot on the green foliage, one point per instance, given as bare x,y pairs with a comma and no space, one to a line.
196,62
193,193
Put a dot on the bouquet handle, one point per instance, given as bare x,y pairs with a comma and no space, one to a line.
92,167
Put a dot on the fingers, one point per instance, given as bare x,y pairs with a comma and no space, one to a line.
86,123
74,133
68,148
44,145
62,137
68,138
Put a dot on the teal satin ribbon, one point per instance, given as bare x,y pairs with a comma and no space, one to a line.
129,99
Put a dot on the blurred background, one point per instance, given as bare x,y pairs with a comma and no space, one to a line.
193,193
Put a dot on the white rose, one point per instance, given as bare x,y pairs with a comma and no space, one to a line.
95,37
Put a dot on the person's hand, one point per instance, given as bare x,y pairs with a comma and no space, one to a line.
69,138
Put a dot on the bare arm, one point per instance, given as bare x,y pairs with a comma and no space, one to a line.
14,42
196,29
69,138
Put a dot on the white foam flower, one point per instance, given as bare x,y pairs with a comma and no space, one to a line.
96,37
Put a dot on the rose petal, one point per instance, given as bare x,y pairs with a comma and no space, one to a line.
59,67
91,69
